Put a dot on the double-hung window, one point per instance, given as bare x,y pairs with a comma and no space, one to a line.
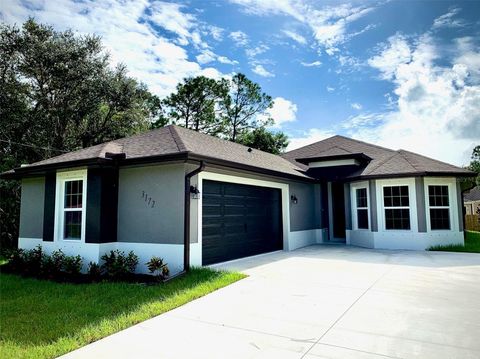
439,206
362,208
71,187
396,204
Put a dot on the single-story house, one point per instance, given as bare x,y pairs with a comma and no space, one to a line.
471,201
153,192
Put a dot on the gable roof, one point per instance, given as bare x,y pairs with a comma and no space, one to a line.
384,161
177,141
472,195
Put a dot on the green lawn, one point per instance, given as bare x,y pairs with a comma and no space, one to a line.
42,319
472,244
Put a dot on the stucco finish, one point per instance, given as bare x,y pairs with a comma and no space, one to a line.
304,215
142,220
31,207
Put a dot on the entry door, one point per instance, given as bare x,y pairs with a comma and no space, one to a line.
239,221
338,209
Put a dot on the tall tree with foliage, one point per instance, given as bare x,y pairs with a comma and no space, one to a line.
475,164
195,104
264,140
59,93
245,107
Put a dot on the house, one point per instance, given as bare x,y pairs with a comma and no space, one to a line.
153,192
471,201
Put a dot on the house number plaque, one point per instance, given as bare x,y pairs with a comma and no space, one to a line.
148,200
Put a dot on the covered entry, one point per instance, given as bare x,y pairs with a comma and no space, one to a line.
239,221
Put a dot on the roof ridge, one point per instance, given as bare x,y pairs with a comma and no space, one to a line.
382,162
311,144
366,143
176,138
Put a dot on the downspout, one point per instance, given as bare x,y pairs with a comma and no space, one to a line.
186,217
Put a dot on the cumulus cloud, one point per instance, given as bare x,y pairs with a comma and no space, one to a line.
308,137
436,110
262,71
296,37
283,111
207,56
356,106
128,33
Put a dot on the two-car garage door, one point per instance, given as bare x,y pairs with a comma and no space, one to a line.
239,221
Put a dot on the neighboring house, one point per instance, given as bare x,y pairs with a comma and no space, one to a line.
471,201
153,192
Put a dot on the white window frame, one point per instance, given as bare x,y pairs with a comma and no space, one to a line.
353,196
62,178
410,183
452,200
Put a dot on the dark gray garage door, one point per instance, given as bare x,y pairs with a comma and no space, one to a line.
239,221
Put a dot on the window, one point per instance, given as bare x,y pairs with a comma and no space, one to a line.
438,203
362,208
72,209
396,203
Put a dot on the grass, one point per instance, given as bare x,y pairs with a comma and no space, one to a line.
42,319
472,244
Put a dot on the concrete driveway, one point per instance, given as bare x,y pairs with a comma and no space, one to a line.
321,302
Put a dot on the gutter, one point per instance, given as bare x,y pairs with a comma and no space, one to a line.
186,217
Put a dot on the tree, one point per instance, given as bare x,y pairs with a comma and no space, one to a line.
59,93
475,163
245,107
264,140
194,105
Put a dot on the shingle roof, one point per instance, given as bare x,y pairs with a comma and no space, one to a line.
473,195
171,140
384,161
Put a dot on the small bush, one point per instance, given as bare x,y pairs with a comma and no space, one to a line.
158,268
15,260
33,261
117,265
72,265
94,271
52,265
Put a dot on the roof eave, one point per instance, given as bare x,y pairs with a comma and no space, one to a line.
413,174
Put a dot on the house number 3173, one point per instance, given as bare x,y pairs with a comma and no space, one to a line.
148,200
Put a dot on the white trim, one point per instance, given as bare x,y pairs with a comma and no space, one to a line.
247,181
353,198
63,177
334,163
452,198
412,199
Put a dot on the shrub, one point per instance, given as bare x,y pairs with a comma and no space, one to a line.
72,265
33,261
52,266
16,260
117,265
94,271
158,268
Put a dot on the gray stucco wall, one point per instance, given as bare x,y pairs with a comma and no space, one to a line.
304,215
31,208
460,207
141,220
348,206
421,214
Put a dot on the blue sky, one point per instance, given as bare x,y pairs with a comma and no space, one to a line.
395,73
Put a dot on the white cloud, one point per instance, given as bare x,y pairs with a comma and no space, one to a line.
296,37
257,50
356,106
311,64
308,137
282,111
207,56
330,88
329,24
436,110
262,71
127,33
447,20
240,38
